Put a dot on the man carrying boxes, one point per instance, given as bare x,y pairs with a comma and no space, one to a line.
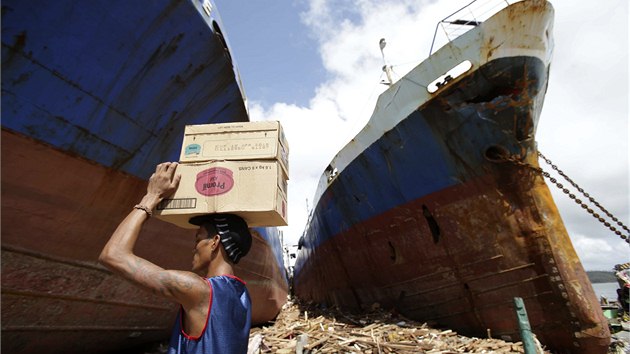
239,168
229,176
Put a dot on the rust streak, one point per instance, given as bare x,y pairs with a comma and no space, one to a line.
507,285
502,272
73,84
42,256
492,305
80,299
79,328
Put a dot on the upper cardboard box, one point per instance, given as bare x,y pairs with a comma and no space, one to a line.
235,141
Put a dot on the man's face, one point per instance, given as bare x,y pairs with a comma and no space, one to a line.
202,251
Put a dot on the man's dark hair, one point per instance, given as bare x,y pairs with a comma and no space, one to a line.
232,229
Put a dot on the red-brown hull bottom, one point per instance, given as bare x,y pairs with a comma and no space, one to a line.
58,211
465,274
265,281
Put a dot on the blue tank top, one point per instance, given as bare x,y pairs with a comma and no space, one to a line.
228,322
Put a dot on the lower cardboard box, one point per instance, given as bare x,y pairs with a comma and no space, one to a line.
254,190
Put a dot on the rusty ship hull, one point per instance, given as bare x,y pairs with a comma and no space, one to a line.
433,209
94,95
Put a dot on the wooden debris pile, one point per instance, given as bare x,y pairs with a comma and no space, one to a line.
303,330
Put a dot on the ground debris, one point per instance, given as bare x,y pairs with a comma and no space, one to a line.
307,330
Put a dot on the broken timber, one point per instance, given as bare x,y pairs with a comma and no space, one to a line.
302,329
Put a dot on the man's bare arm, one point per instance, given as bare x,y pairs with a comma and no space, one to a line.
118,254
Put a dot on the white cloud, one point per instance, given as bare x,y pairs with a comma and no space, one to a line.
583,128
599,254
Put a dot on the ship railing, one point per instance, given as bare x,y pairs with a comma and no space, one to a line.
465,19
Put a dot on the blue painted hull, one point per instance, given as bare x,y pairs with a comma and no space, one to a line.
115,82
423,213
94,95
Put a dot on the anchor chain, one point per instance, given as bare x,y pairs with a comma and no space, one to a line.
516,160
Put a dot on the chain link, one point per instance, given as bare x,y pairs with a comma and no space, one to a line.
583,192
517,161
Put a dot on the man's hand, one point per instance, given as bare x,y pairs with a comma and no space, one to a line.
162,184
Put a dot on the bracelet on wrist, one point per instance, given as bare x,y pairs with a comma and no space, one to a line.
144,208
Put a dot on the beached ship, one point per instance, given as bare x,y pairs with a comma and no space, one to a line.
94,95
436,208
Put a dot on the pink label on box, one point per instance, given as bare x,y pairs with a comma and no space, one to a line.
214,181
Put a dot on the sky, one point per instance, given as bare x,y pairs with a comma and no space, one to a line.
315,65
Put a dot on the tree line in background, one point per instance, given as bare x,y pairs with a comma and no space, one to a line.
600,276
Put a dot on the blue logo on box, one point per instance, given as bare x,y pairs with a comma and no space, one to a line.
192,149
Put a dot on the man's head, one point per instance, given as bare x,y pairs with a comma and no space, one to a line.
232,230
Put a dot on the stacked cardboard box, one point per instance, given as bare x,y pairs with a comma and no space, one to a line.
237,168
